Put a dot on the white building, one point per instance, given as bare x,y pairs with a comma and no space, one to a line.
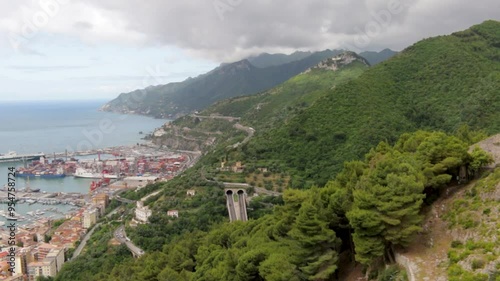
48,261
191,192
173,213
142,213
46,268
90,217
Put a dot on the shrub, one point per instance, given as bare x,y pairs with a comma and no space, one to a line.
391,273
477,263
456,244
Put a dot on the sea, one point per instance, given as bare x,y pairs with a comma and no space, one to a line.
57,126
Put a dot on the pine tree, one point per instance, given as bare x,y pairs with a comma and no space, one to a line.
387,202
319,243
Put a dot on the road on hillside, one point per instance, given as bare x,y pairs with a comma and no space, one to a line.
84,242
228,118
230,206
249,130
80,247
243,206
121,236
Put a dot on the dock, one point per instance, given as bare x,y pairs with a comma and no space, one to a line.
45,198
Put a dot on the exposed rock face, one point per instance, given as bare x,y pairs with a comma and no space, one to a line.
339,61
492,146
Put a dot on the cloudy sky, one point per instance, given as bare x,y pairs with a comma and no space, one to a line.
96,49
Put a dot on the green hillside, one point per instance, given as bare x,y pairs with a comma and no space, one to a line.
266,109
228,80
363,171
439,83
261,111
305,237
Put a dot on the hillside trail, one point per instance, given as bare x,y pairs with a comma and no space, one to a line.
427,256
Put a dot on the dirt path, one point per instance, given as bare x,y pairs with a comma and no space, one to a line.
428,254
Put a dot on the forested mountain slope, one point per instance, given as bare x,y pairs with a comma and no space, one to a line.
269,108
245,77
370,196
438,83
225,81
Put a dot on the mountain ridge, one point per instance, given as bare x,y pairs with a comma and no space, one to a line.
364,139
227,80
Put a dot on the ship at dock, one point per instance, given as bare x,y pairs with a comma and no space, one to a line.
41,169
84,173
12,156
45,174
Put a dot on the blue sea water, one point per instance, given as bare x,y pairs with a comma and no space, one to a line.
54,126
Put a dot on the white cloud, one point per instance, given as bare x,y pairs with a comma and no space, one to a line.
232,29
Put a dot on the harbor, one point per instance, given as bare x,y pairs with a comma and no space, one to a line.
31,207
45,198
57,185
109,163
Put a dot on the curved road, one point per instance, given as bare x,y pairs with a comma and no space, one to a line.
249,130
121,236
87,236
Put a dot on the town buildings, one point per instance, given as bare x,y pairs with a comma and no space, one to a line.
90,217
142,213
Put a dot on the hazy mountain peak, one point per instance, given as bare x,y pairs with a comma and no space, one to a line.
339,61
266,60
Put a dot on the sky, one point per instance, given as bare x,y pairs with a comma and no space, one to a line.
97,49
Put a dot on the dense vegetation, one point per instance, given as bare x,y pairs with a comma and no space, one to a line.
476,212
225,81
228,80
439,84
98,259
271,108
354,208
374,204
261,111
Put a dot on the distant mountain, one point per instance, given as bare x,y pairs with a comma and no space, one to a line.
439,83
269,109
266,60
225,81
378,57
280,103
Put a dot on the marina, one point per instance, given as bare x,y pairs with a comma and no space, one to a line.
55,187
109,163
